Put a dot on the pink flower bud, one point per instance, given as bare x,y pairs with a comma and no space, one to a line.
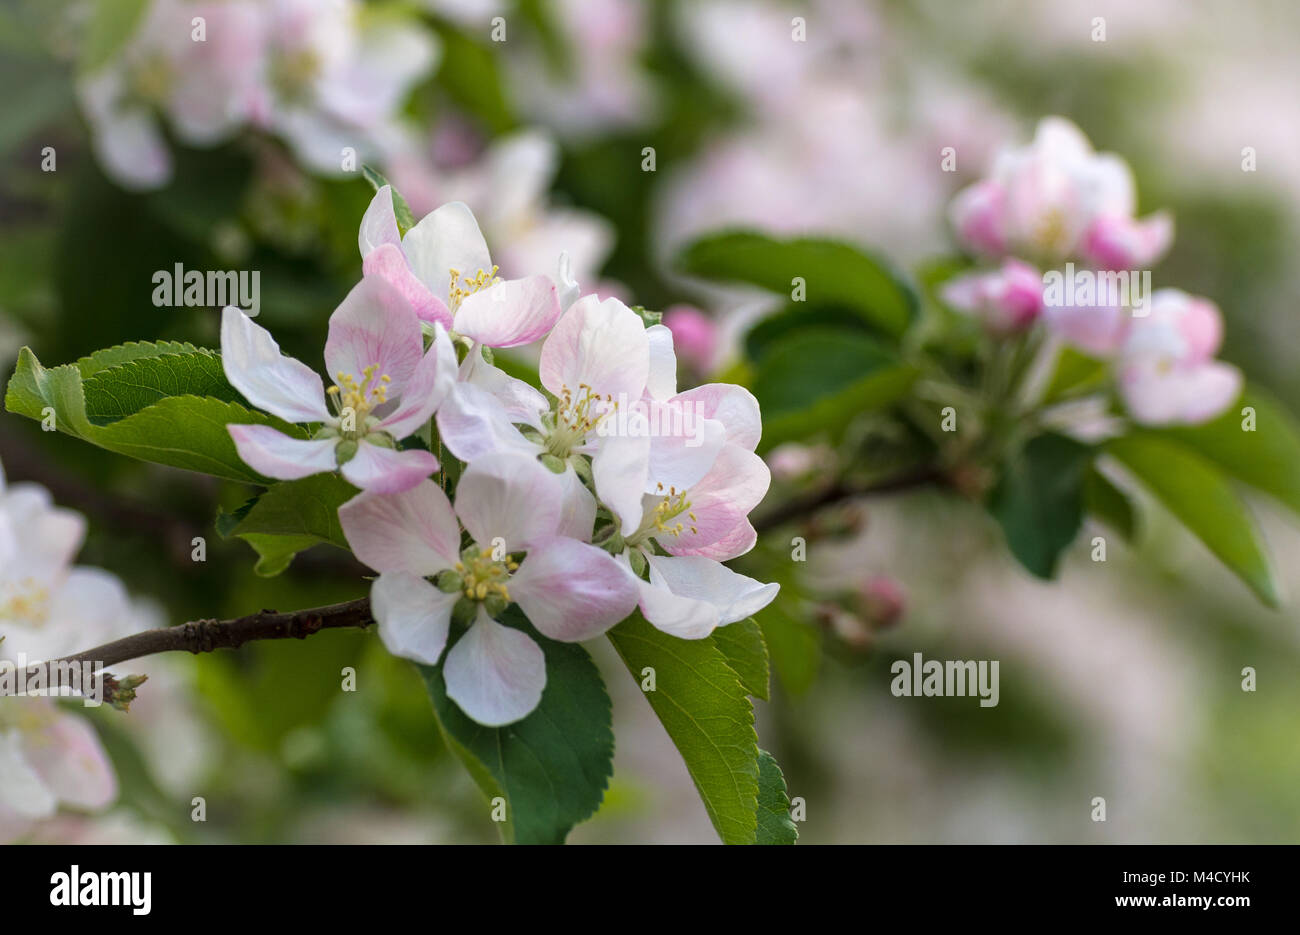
1004,300
978,216
695,336
883,600
1120,242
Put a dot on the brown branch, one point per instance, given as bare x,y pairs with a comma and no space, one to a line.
204,636
799,507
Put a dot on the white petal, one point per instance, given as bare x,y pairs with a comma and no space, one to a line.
578,510
428,386
472,424
510,313
495,673
274,454
443,240
601,345
572,591
254,365
413,616
510,496
68,756
733,596
378,469
621,470
414,531
662,381
379,223
522,403
21,787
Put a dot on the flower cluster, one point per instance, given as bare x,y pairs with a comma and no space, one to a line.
603,491
1058,202
48,608
324,75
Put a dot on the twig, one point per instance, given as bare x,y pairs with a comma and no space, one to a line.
204,636
839,491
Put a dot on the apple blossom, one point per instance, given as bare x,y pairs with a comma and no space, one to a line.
1166,368
1004,300
443,268
509,504
1056,199
386,387
601,365
695,336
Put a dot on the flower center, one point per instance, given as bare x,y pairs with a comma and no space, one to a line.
576,417
662,519
483,576
359,399
293,72
461,289
26,601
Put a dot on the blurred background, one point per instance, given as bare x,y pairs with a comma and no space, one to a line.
1120,680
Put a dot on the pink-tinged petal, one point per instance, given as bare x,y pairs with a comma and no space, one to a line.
719,505
692,578
978,215
254,365
661,382
522,403
567,288
413,615
274,454
734,406
1120,242
1099,330
495,673
510,313
414,531
572,591
377,469
1004,300
683,447
443,240
387,262
1158,393
374,326
601,345
621,470
578,508
379,224
735,542
1184,328
429,385
22,790
510,496
68,756
472,424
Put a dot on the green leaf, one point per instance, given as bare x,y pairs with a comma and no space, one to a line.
132,351
552,768
1075,373
1267,458
1202,499
288,518
112,23
707,712
821,379
401,210
741,643
795,645
834,273
1106,502
775,826
180,431
116,393
1039,500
